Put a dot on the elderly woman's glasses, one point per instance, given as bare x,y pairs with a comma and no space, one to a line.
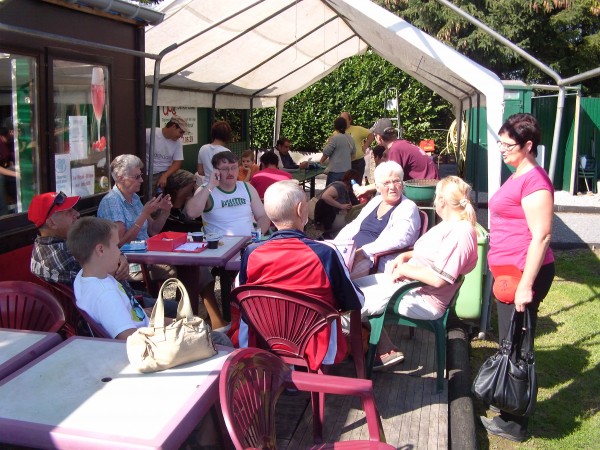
137,177
506,145
58,200
389,184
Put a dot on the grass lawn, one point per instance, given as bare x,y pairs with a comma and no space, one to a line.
567,360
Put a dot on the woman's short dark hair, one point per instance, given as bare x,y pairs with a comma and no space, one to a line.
340,124
522,128
351,175
269,159
220,130
378,151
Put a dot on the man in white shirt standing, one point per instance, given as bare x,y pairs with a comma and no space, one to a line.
168,156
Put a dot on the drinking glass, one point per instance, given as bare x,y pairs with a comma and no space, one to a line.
98,95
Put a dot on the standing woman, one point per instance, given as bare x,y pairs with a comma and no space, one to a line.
521,214
339,149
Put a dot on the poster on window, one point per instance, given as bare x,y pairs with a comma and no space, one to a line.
78,137
82,181
188,114
62,168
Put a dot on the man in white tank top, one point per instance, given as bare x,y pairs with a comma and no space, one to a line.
228,206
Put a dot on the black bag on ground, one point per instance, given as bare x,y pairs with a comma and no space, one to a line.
507,379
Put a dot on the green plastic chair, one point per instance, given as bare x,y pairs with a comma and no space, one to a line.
390,316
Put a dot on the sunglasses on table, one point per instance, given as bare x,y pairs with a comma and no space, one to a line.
58,200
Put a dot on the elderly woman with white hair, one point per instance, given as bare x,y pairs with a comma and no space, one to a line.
389,221
123,206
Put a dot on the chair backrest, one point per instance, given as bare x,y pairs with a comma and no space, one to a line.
96,329
250,384
64,294
84,324
284,321
29,306
424,222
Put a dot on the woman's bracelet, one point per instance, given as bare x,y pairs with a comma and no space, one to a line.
137,226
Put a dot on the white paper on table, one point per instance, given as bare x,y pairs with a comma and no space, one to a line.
78,138
82,181
191,246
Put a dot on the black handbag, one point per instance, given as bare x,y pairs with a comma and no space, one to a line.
507,379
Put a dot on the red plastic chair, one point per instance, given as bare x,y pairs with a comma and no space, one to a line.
250,384
284,322
67,296
64,294
96,330
28,306
397,251
391,316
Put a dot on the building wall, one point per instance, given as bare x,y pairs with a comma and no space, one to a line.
124,92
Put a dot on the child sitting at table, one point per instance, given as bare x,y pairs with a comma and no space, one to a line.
94,244
247,166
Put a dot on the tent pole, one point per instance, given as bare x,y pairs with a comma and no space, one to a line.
556,138
153,119
252,125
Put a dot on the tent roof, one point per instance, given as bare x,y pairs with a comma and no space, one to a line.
259,53
273,49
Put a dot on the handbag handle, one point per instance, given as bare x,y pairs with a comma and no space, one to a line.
527,337
516,336
184,308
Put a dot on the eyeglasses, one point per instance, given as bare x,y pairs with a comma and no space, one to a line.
506,145
139,176
58,200
136,309
228,169
388,184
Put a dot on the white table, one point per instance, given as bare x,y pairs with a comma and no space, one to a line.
19,347
83,394
187,262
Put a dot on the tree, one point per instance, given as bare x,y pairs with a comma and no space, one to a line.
563,34
361,86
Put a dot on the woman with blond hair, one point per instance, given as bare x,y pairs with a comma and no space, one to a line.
441,255
439,258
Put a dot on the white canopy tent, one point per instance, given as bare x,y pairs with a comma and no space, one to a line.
259,53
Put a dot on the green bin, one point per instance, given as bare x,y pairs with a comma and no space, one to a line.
470,298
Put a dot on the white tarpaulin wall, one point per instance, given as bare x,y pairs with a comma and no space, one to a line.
232,51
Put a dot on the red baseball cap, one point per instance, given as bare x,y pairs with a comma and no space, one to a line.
43,205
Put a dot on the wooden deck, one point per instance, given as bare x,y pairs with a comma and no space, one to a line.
414,415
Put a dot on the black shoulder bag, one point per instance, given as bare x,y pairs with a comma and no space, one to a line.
507,379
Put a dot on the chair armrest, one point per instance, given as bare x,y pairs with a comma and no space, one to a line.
397,296
331,384
378,256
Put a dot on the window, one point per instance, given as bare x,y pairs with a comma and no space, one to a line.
19,168
81,128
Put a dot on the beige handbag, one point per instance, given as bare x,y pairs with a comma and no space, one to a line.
160,347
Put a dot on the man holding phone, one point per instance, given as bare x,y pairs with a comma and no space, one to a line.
228,206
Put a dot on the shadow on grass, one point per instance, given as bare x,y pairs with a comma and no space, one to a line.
562,413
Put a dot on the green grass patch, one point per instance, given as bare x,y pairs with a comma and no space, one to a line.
567,360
